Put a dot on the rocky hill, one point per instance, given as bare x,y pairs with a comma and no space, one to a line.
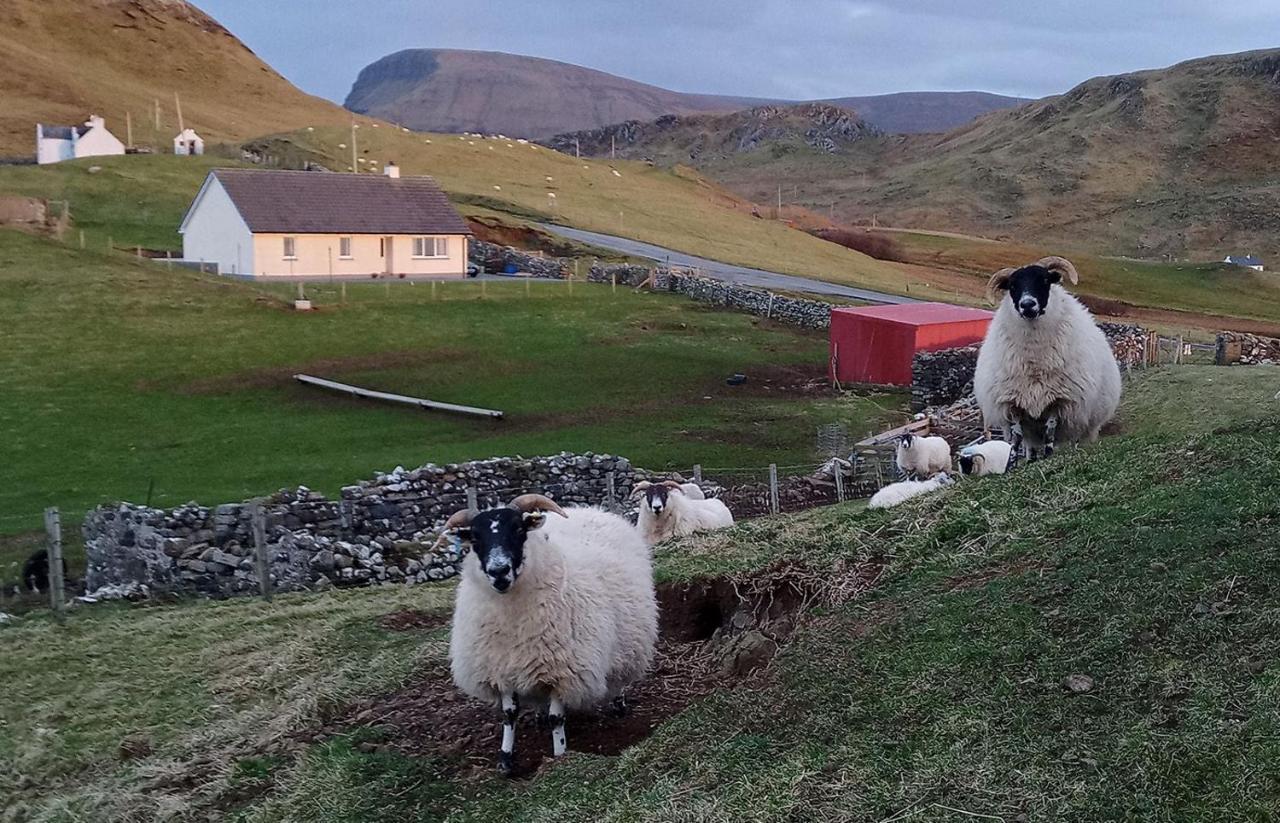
61,60
493,92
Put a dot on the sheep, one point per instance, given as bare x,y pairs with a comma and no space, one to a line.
668,510
920,458
35,571
991,457
902,491
556,610
1045,370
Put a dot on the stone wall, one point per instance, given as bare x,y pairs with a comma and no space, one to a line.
945,376
382,530
1246,349
495,258
810,314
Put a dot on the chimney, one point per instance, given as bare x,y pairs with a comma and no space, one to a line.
391,170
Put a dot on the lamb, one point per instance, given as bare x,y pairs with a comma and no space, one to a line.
902,491
559,611
668,510
920,458
1045,370
991,457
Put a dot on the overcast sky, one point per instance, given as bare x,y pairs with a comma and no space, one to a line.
764,48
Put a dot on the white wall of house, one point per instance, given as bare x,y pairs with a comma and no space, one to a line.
187,142
52,149
96,142
371,254
215,232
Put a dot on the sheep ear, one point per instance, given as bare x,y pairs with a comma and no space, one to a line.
534,520
999,282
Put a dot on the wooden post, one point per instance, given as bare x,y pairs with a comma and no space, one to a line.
1181,349
609,480
82,238
773,488
128,129
526,286
768,313
260,549
301,295
168,260
473,499
157,100
433,291
839,475
613,282
346,518
483,289
111,242
697,473
387,288
343,286
57,593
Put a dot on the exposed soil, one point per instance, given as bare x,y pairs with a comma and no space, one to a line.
714,634
411,620
981,577
795,380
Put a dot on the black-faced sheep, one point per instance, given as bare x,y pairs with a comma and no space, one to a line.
557,610
991,457
667,510
920,458
35,571
1045,370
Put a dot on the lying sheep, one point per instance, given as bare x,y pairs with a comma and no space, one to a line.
902,491
557,610
991,457
1045,370
919,457
667,510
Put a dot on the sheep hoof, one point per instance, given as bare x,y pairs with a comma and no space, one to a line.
619,707
506,763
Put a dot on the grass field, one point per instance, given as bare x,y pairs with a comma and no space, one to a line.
1146,563
123,379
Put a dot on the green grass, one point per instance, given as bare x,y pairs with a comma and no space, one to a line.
1147,562
123,379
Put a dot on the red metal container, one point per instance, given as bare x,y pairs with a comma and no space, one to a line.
875,344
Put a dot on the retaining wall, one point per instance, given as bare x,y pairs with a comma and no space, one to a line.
1246,349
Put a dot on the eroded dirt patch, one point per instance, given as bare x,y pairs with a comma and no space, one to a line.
410,620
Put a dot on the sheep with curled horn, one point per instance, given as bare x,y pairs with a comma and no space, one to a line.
555,607
669,509
1045,370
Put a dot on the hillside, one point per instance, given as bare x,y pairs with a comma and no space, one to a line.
700,138
61,60
493,92
1180,161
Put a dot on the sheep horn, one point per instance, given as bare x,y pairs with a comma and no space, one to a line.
536,502
671,484
1061,265
459,519
999,279
640,488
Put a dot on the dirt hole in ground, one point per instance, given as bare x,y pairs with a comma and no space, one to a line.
714,633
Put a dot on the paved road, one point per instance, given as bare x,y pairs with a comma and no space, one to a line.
727,271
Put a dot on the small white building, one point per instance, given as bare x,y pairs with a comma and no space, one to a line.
1249,261
271,224
188,143
57,143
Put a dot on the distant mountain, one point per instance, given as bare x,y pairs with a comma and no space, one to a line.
451,90
705,138
62,60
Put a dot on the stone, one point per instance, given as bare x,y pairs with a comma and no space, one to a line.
745,652
323,561
1078,683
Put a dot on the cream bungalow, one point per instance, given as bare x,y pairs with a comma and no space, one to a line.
308,224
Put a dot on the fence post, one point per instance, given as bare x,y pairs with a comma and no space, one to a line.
344,291
768,313
697,473
611,489
839,475
82,238
259,520
773,488
1181,350
613,282
526,287
473,499
346,518
57,592
483,289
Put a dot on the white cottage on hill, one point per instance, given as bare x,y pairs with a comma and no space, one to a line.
57,143
309,224
188,143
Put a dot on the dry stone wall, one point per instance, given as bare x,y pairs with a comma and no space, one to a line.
496,258
1246,349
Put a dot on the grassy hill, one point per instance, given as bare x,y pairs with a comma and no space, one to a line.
61,60
1145,563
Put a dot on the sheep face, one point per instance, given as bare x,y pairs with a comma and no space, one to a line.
969,463
656,498
1029,289
497,539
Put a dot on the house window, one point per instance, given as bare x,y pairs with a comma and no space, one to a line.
291,248
430,247
344,248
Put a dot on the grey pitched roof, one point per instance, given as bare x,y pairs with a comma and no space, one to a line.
316,202
1246,260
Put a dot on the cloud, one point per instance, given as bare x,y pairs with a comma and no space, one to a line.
767,48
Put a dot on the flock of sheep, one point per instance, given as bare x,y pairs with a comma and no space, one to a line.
557,607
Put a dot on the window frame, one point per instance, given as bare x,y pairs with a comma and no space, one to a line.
439,245
350,244
290,244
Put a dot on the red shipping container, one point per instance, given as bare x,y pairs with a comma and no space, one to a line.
875,344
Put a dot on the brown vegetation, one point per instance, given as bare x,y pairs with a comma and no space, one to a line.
879,246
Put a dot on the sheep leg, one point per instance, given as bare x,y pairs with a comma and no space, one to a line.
510,711
556,714
1050,433
618,708
1015,440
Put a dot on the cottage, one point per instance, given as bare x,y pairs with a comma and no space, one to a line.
188,143
305,224
57,143
1248,261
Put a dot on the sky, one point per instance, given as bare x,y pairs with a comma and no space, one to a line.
792,49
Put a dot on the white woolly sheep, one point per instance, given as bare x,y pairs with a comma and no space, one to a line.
668,510
556,610
991,457
902,491
1045,370
922,457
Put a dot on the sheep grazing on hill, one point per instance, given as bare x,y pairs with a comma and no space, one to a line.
1045,370
668,509
991,457
920,458
902,491
556,610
